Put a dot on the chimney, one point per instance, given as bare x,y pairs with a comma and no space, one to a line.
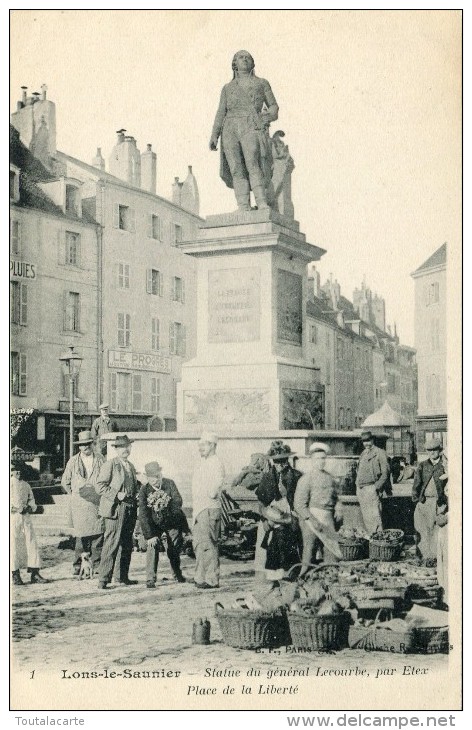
35,120
176,191
23,95
36,96
98,160
148,169
190,197
315,280
125,159
44,89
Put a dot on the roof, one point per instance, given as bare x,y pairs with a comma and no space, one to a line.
32,173
438,258
113,180
385,416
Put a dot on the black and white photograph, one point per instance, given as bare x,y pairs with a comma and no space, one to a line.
235,360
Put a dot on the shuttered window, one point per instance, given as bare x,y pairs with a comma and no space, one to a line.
154,282
178,289
177,338
18,373
18,303
154,227
124,218
15,237
124,329
72,311
155,395
137,393
155,327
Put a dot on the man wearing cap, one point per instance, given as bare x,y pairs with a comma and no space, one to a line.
155,521
117,486
373,478
428,494
207,481
103,424
79,480
316,496
22,506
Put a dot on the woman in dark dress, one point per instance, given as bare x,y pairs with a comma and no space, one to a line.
276,493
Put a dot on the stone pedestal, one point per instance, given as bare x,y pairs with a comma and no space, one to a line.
250,370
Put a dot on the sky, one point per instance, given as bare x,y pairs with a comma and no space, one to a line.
370,103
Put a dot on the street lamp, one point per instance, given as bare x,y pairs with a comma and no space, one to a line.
71,363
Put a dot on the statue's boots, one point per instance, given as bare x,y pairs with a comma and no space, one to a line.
261,197
242,191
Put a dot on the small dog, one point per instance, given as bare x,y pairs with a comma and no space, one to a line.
86,567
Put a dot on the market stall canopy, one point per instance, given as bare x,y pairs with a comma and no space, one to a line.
385,416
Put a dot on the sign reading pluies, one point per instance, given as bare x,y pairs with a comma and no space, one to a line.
22,270
139,361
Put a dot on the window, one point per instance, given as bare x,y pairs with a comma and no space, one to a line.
72,199
123,276
313,334
124,329
155,395
341,418
348,418
120,392
155,230
72,311
15,238
18,303
72,257
155,333
177,233
18,373
431,292
14,183
178,289
154,284
124,218
391,383
177,338
137,394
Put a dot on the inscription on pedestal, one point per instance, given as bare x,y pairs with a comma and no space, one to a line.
289,307
236,406
234,306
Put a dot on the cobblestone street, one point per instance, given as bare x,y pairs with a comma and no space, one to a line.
71,624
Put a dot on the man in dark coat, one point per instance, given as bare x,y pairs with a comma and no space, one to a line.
373,479
427,495
117,486
154,522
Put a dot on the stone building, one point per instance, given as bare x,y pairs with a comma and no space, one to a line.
430,343
113,249
53,299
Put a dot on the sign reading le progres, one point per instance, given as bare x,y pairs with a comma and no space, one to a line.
138,361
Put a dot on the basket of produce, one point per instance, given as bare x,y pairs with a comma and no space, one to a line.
353,543
317,619
244,628
432,639
386,545
382,634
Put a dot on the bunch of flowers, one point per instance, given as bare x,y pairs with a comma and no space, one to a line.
158,500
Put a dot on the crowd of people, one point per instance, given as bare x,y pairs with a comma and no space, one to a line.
300,513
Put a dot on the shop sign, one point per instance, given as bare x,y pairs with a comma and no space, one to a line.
126,360
22,270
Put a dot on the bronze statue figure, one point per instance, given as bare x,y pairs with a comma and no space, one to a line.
247,107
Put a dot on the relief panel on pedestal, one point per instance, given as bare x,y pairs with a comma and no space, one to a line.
232,407
289,307
302,408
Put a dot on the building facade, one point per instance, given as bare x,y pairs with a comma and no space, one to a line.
430,343
94,265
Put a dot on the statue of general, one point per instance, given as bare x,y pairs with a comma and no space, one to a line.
247,107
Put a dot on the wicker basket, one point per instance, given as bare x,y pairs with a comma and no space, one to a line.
384,550
319,633
355,549
432,640
244,629
380,638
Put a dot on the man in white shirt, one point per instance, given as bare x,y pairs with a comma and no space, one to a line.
207,481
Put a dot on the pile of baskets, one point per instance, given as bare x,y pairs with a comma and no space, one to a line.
353,548
386,545
244,629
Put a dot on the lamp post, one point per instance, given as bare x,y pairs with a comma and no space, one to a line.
71,362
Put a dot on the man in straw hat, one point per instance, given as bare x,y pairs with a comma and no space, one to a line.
117,486
207,481
79,480
427,495
316,497
373,478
